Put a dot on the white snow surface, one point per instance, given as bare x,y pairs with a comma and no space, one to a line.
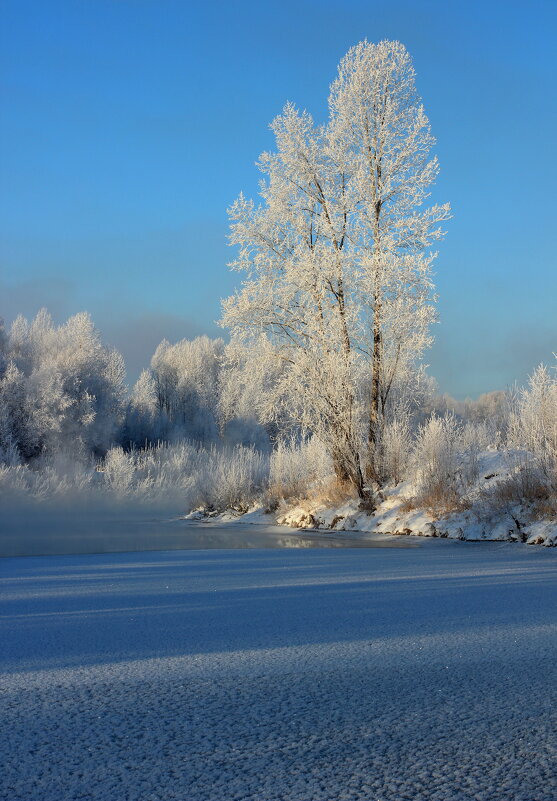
425,673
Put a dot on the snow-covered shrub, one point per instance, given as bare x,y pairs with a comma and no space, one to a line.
13,481
61,476
52,477
182,476
166,465
161,473
534,420
523,484
298,469
446,461
436,462
216,478
533,432
119,470
474,438
233,478
396,447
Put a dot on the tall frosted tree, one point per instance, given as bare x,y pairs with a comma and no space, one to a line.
383,138
338,290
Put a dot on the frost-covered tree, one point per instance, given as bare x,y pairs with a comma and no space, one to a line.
247,395
143,423
196,390
3,348
13,429
533,421
383,140
61,387
338,288
186,384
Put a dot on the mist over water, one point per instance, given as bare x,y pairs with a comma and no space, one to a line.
49,532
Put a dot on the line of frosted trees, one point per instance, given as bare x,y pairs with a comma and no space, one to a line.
186,430
61,389
188,433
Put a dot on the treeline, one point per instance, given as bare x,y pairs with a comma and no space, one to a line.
193,431
63,390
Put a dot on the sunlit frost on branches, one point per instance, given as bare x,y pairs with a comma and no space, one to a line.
337,257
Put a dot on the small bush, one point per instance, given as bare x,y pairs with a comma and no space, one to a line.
119,471
233,478
533,427
396,447
435,462
298,469
526,485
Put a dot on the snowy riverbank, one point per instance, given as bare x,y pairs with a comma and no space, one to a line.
473,525
392,520
485,513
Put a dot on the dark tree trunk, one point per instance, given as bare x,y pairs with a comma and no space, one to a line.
348,471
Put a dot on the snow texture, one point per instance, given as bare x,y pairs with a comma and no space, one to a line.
424,673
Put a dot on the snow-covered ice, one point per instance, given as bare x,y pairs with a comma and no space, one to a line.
423,673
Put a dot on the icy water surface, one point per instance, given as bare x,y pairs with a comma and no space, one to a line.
73,534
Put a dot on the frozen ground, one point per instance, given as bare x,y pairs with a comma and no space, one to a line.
421,673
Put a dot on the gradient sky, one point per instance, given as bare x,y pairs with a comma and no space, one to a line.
129,126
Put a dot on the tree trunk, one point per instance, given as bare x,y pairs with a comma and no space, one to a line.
373,427
348,471
372,474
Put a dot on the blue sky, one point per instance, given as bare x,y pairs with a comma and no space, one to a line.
128,127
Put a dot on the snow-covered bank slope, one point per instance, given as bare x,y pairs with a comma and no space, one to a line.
485,513
425,673
474,524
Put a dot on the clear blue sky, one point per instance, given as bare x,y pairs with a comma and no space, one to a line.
128,127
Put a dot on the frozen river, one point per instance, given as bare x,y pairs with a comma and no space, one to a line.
426,673
55,533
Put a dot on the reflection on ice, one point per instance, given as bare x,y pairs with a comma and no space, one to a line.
57,533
